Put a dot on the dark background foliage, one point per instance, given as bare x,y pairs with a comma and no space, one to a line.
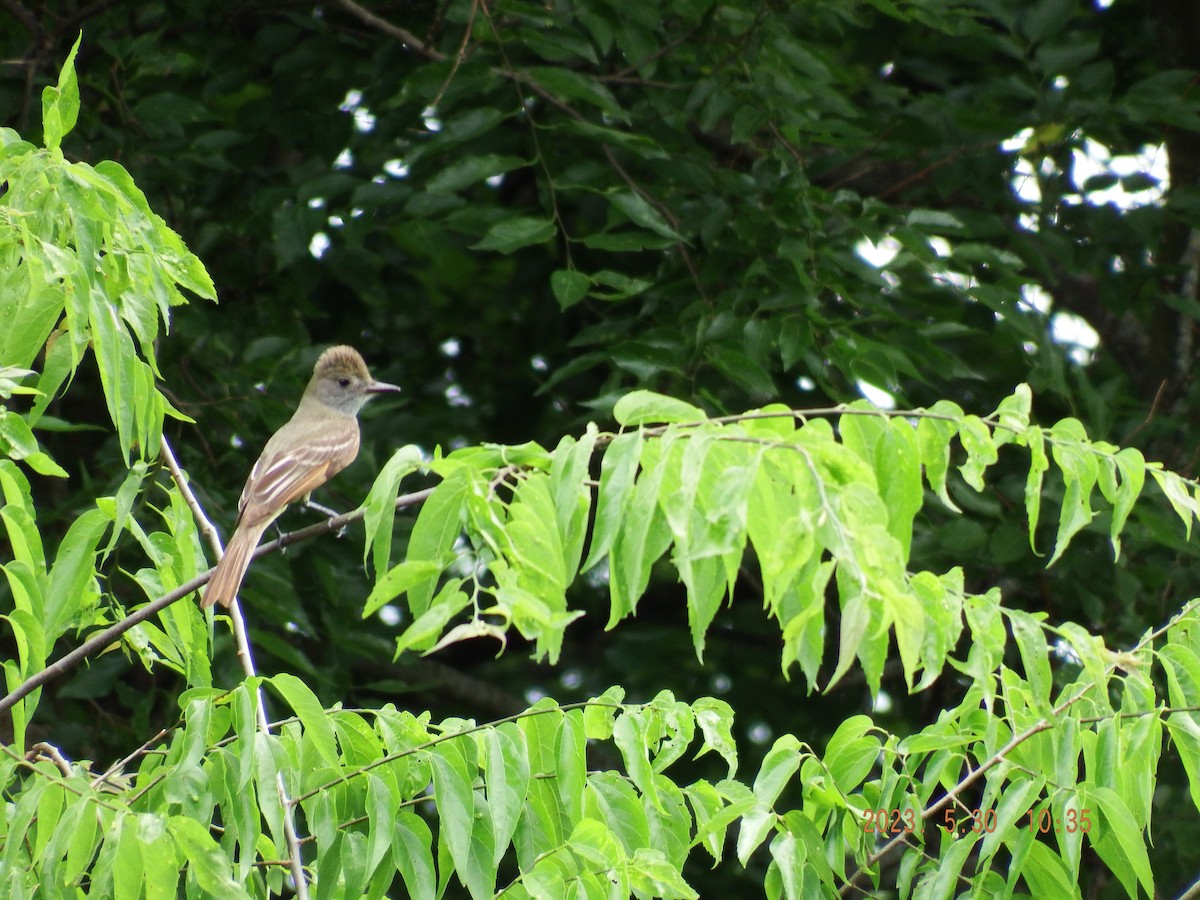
533,208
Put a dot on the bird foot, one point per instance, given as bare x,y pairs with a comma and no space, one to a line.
327,512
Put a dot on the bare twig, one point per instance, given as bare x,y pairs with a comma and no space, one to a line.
119,766
52,753
403,35
458,57
662,51
246,655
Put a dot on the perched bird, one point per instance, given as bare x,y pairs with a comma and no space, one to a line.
318,441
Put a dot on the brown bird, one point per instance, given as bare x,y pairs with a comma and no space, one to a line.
318,441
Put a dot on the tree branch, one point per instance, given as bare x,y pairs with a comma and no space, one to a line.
403,35
98,642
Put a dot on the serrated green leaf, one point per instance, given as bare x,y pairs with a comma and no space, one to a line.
780,764
617,470
1130,466
631,737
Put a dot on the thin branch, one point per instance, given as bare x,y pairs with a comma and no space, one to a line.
657,54
207,530
458,57
49,751
119,766
93,645
403,35
1192,892
246,655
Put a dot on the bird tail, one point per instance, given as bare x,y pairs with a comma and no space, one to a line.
231,569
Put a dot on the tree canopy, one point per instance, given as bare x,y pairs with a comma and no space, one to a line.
792,491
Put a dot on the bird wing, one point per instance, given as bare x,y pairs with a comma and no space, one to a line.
294,464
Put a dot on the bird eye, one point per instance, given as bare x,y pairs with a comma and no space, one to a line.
344,382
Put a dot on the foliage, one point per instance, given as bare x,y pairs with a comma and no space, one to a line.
659,216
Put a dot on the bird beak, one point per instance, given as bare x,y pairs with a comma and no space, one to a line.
382,387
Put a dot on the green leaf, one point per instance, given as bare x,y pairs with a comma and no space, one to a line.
639,144
1079,470
412,856
438,526
398,579
470,170
425,630
1046,873
1031,642
305,704
1122,492
933,444
1118,840
513,234
617,471
631,734
1013,414
756,823
1039,464
571,764
852,752
780,764
72,585
507,781
981,450
60,105
640,212
891,447
646,407
379,509
453,777
19,512
715,718
207,862
127,871
601,712
567,84
945,878
1176,490
572,496
742,370
569,286
1019,796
